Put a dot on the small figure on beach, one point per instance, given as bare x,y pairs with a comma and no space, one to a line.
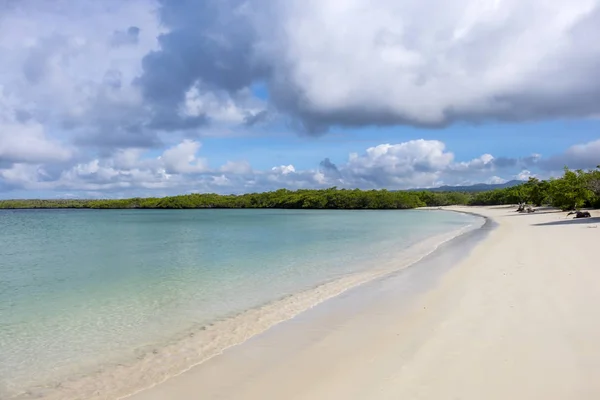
580,214
525,208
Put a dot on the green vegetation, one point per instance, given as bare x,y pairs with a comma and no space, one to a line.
332,198
575,189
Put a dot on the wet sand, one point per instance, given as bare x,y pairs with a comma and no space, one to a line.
507,313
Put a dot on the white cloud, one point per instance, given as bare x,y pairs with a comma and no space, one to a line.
219,106
180,169
182,159
60,70
425,63
494,180
237,167
524,175
22,175
416,162
284,169
25,140
405,62
485,161
58,52
127,158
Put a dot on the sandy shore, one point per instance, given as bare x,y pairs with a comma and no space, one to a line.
515,318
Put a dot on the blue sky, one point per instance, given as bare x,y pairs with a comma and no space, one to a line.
151,98
466,142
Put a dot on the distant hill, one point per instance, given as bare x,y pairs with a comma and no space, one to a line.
478,187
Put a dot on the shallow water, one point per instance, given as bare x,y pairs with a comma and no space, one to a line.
82,289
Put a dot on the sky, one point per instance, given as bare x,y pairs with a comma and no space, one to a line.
120,98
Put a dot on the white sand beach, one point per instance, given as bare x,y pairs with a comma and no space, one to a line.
516,318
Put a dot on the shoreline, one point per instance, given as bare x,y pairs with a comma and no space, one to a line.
451,251
478,233
507,317
191,344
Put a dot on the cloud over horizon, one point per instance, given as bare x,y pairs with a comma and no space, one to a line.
182,169
117,96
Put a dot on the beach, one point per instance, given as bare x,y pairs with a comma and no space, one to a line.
116,301
511,314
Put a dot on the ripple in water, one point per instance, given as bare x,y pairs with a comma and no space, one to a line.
91,300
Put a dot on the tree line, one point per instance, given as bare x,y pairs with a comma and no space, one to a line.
332,198
575,189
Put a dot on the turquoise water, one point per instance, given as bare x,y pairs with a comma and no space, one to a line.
79,288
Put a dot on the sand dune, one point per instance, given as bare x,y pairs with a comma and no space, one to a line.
516,318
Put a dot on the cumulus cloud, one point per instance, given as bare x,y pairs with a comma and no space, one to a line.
28,143
284,169
209,45
524,175
221,107
401,63
181,168
117,74
398,165
483,162
182,158
580,156
61,70
23,140
495,180
21,175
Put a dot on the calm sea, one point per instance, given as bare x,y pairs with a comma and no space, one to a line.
80,289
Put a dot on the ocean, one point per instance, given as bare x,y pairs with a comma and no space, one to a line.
120,299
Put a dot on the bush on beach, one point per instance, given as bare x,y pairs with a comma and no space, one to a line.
574,190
